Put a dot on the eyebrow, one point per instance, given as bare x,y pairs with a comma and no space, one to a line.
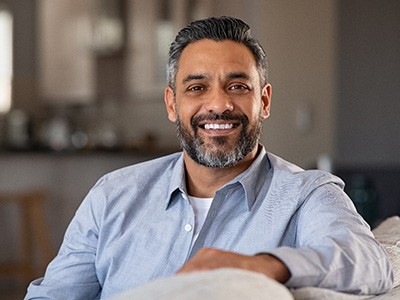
232,75
192,77
239,75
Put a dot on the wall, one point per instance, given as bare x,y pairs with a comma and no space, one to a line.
368,83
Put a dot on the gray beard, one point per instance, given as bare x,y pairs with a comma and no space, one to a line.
196,148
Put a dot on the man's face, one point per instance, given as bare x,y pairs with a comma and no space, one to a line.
218,104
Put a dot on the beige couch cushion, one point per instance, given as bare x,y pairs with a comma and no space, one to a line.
388,234
218,284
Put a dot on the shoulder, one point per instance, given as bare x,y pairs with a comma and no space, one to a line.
144,171
126,186
296,178
313,191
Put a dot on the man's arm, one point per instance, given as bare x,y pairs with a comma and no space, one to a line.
72,273
208,258
335,248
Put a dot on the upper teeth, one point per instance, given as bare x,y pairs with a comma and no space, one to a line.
218,126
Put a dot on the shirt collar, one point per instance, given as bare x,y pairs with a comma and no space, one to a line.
254,178
177,180
251,180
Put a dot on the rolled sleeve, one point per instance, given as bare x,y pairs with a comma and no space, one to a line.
39,290
335,248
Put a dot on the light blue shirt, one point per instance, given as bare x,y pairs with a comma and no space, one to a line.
136,225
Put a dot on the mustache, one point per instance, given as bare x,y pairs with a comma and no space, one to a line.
225,116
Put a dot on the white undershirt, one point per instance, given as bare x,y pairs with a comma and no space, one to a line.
200,207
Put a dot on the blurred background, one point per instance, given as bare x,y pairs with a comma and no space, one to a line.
81,94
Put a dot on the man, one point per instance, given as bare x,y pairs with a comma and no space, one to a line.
224,202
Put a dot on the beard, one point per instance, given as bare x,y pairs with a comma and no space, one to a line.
220,151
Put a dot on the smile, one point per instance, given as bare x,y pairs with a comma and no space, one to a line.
218,126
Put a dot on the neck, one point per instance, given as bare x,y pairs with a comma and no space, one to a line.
203,181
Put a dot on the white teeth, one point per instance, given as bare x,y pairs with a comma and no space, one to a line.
218,126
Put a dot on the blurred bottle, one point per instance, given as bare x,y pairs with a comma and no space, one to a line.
17,130
108,136
58,132
324,163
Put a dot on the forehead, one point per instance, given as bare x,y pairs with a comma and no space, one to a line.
209,56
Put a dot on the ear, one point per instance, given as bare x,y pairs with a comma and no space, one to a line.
169,99
266,100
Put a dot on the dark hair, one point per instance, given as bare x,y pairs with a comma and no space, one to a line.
217,29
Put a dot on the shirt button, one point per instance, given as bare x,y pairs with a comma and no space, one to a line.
188,227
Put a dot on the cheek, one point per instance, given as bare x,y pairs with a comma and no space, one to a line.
186,113
251,111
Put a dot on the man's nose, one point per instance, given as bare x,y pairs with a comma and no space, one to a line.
219,101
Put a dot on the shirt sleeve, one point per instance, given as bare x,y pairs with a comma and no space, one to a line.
72,274
335,248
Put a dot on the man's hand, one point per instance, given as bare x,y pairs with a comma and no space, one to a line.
208,258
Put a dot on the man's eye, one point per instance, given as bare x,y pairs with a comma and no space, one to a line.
195,88
239,87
